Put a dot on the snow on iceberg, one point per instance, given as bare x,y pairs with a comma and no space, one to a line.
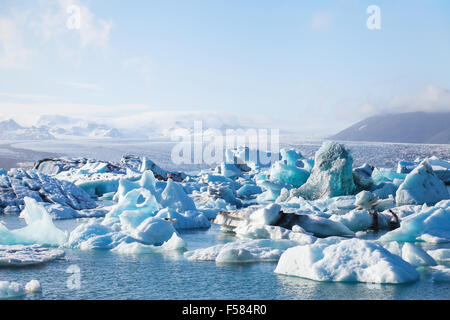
351,260
421,186
331,175
20,255
39,230
430,224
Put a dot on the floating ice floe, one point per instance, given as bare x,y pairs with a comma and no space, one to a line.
20,255
242,251
351,260
39,230
331,175
430,224
421,186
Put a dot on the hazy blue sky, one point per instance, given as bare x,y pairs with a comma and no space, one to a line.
312,66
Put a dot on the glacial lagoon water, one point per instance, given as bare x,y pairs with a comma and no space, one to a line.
109,275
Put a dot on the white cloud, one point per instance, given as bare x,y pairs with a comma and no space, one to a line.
48,21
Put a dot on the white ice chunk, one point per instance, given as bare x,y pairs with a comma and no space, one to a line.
242,251
175,197
33,286
421,186
431,224
440,255
39,230
153,231
351,260
20,255
11,290
173,244
416,256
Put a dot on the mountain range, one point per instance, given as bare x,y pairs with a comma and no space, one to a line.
411,127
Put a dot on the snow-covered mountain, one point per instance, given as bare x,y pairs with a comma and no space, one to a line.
56,127
411,127
11,130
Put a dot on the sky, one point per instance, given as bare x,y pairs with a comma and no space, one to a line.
313,67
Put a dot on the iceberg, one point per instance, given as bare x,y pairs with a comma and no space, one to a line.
93,235
421,186
174,197
154,231
175,243
416,256
242,251
39,230
20,255
440,255
331,175
430,224
11,290
185,220
362,177
286,171
15,289
19,184
352,260
33,286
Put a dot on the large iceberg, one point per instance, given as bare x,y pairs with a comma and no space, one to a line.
351,260
421,186
331,175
